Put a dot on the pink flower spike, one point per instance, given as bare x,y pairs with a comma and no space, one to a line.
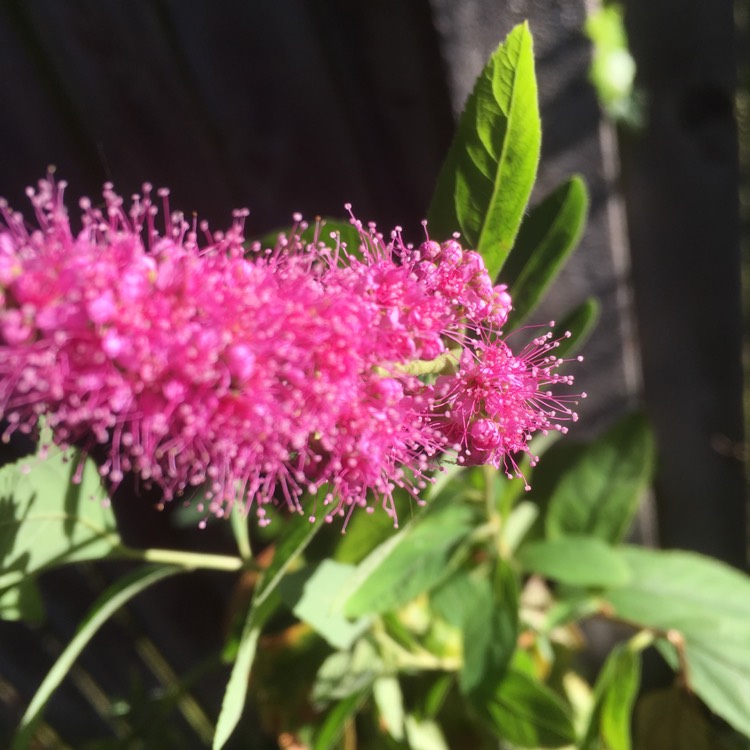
265,374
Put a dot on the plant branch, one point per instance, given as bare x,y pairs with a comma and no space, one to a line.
184,559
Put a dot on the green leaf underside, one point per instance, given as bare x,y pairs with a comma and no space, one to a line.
114,598
547,237
708,604
599,493
527,713
486,180
46,519
577,561
297,534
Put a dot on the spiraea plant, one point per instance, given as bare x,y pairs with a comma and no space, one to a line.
335,379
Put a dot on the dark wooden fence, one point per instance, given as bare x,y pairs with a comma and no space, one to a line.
285,105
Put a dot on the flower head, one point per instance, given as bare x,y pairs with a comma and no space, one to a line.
497,401
263,373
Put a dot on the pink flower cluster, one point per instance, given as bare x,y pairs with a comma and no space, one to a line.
261,373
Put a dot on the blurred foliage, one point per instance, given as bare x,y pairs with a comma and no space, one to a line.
613,68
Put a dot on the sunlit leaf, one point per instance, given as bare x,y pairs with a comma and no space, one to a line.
424,734
486,180
46,519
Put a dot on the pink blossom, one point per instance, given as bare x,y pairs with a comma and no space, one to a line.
497,401
262,374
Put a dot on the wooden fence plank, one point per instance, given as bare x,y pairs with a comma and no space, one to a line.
681,184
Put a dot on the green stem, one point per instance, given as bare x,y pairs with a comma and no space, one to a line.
446,361
183,559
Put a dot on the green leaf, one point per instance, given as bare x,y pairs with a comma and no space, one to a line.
22,602
365,531
297,534
598,493
527,713
486,180
488,618
490,632
233,702
619,699
114,598
411,562
313,596
434,695
614,698
330,731
576,560
347,673
47,520
708,604
390,702
548,235
424,734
